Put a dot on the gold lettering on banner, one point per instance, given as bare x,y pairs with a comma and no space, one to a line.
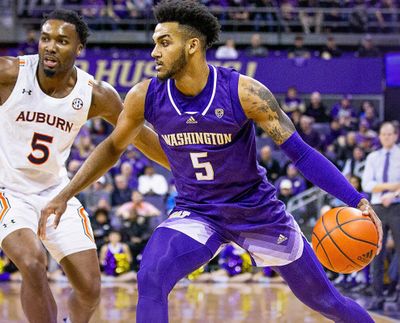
103,73
149,70
82,64
127,69
251,69
237,65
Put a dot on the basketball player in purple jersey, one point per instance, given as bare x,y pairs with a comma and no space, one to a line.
45,100
204,116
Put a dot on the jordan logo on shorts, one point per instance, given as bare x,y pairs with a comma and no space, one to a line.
281,239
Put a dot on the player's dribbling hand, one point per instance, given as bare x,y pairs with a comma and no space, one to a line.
367,210
56,206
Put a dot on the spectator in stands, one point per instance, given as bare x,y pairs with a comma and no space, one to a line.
299,50
308,134
333,18
295,116
292,174
152,183
127,171
96,192
345,113
120,11
267,19
136,229
269,163
105,205
288,15
227,51
121,193
292,101
84,147
99,130
101,226
73,167
135,158
218,7
115,256
353,165
367,48
334,132
358,18
310,16
30,45
285,191
330,49
72,4
317,109
381,177
355,181
137,207
95,13
240,14
256,49
366,138
344,147
368,113
387,16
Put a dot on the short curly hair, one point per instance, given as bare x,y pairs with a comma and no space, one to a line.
71,17
196,17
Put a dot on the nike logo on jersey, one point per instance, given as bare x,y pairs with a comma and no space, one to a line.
191,120
40,117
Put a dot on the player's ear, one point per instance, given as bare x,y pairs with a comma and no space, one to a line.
194,45
79,50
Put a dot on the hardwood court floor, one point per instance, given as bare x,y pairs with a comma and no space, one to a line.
193,303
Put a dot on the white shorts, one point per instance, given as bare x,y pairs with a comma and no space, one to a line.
73,234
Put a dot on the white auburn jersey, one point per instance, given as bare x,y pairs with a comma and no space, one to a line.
37,130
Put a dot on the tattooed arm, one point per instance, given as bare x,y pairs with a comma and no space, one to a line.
260,105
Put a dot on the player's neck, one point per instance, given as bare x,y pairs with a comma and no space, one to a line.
192,80
59,85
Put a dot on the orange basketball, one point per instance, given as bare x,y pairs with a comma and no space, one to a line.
344,240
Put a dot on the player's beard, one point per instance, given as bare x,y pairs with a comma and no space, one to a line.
177,66
49,73
46,71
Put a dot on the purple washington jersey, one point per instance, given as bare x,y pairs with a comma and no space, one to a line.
210,145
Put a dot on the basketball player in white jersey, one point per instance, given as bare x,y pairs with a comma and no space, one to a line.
45,100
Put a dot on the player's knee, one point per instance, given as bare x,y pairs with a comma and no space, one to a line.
333,306
89,290
33,269
152,283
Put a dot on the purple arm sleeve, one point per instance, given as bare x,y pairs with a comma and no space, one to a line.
319,170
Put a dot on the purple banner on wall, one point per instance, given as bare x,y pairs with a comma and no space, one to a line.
124,68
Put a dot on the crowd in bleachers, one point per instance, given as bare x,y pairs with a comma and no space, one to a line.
266,15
